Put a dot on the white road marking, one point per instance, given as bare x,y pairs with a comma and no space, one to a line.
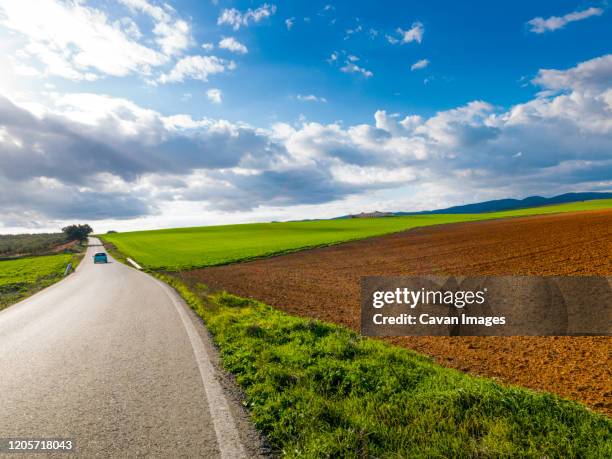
228,439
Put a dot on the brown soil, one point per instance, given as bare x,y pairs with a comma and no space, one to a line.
62,247
325,283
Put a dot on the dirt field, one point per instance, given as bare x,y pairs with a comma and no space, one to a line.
324,283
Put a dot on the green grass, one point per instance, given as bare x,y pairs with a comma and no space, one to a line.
319,390
24,276
184,248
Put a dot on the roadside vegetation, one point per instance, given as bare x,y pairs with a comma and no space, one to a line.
27,245
186,248
23,277
14,245
31,262
319,390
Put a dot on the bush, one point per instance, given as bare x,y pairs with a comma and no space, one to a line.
78,232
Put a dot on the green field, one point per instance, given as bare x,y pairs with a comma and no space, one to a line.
184,248
319,390
24,276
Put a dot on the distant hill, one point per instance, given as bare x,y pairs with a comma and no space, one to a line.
511,204
496,205
375,214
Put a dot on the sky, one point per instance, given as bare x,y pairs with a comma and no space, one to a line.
141,114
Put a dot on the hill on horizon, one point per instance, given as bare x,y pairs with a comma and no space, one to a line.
496,205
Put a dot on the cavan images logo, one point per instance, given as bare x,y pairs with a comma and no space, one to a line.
486,306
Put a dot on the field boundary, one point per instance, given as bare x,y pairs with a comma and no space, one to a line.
309,386
233,255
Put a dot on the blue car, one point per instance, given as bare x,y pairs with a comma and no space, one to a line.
100,258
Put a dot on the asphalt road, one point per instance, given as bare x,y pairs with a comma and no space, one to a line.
113,359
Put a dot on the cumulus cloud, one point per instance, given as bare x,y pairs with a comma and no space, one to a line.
236,18
92,156
310,98
233,45
38,199
196,68
541,25
349,64
93,45
289,23
351,67
349,32
592,75
420,64
415,33
214,95
171,34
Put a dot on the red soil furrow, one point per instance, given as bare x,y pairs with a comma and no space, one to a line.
324,283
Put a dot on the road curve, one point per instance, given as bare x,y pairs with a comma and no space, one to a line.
112,358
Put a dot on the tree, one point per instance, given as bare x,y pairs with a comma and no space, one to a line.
78,232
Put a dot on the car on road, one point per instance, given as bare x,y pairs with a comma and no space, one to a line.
100,258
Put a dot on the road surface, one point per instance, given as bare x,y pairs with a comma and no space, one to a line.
113,359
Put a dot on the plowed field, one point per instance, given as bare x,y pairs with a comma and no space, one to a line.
325,283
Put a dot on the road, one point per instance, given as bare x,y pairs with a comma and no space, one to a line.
113,359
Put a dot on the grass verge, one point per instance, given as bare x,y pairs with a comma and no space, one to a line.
320,390
186,248
22,277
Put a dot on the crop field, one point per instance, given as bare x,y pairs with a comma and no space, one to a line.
23,276
319,390
324,284
185,248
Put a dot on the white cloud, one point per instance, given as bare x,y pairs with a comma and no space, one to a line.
593,75
130,28
233,45
214,95
351,67
541,25
289,23
26,70
236,19
310,98
89,47
350,32
172,37
208,46
113,159
392,39
420,64
144,6
196,68
415,33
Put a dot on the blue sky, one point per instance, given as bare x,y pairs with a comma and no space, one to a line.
142,113
480,51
